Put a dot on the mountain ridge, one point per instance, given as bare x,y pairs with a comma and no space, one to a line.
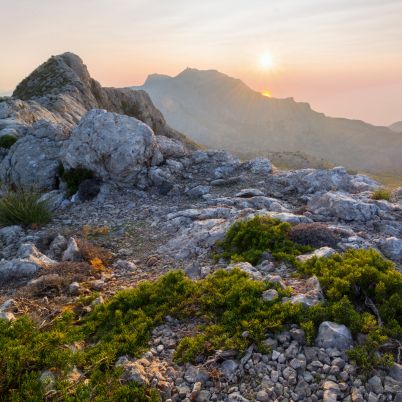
217,110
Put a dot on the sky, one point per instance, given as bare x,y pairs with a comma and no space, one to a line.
344,57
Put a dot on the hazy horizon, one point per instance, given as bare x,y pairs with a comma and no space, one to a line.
342,57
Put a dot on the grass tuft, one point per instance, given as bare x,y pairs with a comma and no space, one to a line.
23,208
381,194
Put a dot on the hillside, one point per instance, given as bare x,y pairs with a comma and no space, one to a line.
136,267
219,111
397,127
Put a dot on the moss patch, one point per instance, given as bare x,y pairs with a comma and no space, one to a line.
6,141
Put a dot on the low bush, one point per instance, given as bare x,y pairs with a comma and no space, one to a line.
364,292
228,303
6,141
74,177
23,208
366,279
247,240
314,234
381,194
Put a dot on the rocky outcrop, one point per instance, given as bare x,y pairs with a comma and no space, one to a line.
61,92
118,148
33,161
63,86
342,206
310,181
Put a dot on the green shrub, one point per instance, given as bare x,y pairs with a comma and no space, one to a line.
6,141
364,292
231,313
23,208
230,303
381,194
361,276
248,240
366,356
74,177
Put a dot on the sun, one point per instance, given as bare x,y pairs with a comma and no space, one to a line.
266,93
266,61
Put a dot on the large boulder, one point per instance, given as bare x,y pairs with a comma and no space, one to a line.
33,161
115,147
61,91
392,248
343,206
335,336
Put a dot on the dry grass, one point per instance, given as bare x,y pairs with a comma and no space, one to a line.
54,280
96,256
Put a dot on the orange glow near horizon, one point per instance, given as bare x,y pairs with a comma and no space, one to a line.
266,93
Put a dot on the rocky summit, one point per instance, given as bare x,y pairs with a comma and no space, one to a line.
179,273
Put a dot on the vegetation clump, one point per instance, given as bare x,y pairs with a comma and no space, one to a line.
23,208
74,177
313,234
247,240
227,303
364,292
381,194
6,141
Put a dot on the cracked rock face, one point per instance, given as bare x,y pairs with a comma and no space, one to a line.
33,161
114,146
343,206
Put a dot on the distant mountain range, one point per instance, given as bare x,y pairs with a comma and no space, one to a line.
397,127
220,111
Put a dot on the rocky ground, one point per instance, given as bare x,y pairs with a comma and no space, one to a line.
157,204
150,233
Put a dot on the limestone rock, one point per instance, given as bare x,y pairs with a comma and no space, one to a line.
269,295
57,246
10,234
260,165
310,181
343,206
396,372
332,335
170,148
7,316
34,160
53,199
29,252
392,248
249,192
322,252
116,148
17,269
72,252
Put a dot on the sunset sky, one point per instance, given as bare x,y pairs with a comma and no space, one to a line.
342,56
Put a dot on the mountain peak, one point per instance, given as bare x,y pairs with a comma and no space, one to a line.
57,75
